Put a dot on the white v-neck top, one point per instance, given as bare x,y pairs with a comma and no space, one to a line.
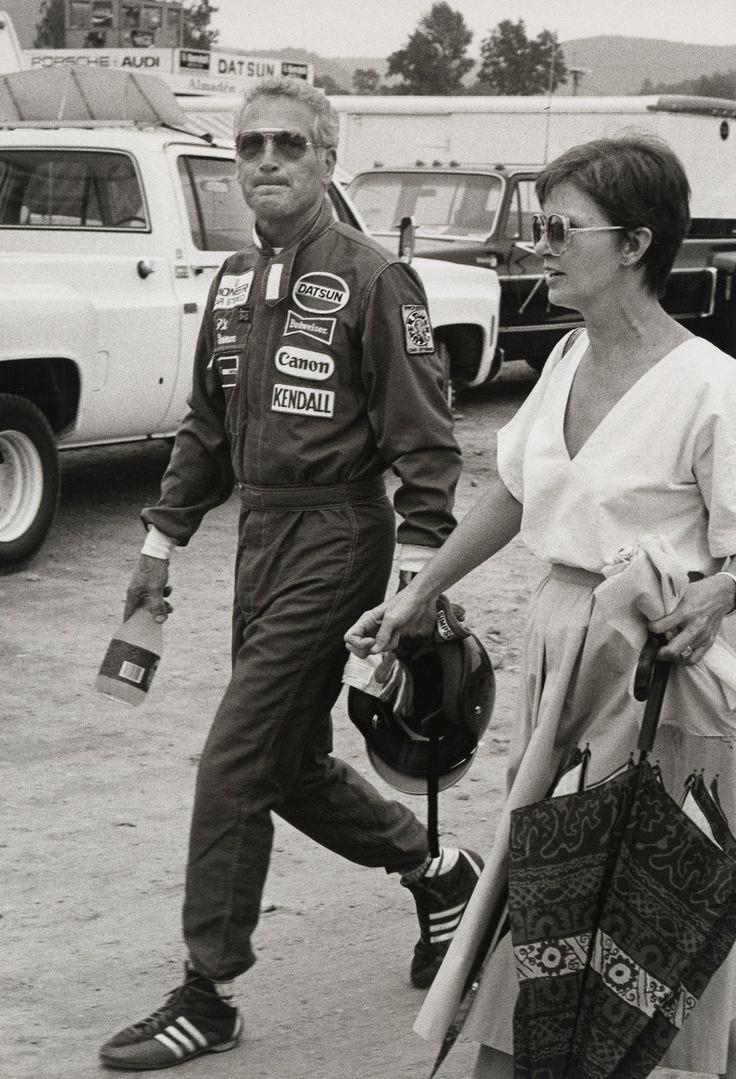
661,462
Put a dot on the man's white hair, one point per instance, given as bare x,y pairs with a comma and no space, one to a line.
326,120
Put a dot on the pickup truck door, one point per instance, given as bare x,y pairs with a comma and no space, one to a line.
81,226
214,221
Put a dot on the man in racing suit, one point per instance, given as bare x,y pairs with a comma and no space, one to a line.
315,371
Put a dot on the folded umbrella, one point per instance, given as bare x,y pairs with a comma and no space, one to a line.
622,905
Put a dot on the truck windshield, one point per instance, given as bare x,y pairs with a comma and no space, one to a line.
442,203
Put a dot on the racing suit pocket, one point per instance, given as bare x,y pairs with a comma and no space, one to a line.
227,365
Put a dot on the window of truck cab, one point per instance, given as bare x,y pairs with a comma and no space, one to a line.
219,217
72,189
451,203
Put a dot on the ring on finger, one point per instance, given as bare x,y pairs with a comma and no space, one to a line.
686,652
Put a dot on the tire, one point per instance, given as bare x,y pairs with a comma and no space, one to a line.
29,480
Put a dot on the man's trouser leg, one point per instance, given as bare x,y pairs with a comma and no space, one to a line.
303,577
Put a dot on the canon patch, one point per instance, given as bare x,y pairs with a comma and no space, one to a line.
303,363
417,329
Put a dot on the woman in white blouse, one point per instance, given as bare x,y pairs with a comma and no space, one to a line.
630,433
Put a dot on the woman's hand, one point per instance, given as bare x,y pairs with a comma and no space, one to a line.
407,614
693,626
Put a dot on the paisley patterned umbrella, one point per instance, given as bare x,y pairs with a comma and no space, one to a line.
622,905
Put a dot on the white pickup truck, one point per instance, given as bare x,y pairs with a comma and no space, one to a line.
110,233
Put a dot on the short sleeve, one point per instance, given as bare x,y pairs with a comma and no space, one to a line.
512,438
714,462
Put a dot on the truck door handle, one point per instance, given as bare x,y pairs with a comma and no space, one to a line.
145,267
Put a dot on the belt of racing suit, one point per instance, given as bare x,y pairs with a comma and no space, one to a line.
300,497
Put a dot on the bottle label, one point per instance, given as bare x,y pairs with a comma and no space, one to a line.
130,663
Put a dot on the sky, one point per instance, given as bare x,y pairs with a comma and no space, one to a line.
375,28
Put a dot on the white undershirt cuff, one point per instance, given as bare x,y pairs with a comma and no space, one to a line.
413,558
158,545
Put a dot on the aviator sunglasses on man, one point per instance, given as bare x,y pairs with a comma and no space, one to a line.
289,145
557,231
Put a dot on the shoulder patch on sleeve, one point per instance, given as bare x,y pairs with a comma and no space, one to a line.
417,329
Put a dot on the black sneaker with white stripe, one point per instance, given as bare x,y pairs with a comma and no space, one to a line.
441,901
195,1019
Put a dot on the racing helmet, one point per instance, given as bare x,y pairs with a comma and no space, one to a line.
453,696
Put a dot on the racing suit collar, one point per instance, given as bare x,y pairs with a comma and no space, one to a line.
285,256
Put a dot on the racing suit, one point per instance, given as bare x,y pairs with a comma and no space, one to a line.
315,371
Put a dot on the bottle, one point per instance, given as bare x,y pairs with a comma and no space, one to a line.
131,659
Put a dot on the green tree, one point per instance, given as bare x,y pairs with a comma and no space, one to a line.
50,26
433,61
366,80
197,34
718,84
513,63
329,85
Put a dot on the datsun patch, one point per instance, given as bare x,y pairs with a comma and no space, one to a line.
417,329
320,292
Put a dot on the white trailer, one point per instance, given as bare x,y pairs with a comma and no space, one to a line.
11,56
404,130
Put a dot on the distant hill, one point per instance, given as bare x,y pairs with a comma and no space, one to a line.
619,65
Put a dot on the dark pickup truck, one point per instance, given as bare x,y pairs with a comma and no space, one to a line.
483,216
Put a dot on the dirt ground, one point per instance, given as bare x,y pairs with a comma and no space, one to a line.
97,796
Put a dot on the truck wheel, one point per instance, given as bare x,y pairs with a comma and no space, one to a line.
29,480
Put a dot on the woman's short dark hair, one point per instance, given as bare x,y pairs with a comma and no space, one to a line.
638,181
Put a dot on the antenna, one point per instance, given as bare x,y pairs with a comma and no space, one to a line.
550,91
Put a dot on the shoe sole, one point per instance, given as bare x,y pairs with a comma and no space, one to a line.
131,1066
121,1065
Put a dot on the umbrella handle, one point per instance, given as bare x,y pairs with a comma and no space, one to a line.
650,682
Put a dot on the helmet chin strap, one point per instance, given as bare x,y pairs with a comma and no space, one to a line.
433,791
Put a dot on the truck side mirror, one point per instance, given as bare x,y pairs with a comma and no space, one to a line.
725,262
406,239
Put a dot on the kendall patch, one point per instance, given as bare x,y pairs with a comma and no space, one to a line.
228,368
302,402
233,291
417,329
320,292
303,363
319,329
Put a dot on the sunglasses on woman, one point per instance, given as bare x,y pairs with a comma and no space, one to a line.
557,231
290,145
